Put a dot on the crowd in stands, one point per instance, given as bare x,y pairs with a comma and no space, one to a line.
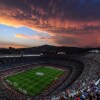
83,82
91,92
87,82
26,66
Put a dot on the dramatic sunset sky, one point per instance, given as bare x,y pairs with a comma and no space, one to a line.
27,23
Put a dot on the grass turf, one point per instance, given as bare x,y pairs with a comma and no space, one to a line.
32,82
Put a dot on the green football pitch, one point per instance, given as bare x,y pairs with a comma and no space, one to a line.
33,82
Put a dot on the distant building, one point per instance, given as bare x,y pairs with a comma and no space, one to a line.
94,51
61,53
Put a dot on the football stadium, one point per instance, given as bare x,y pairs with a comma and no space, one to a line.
48,76
49,49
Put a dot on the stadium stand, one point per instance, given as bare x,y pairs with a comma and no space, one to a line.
81,83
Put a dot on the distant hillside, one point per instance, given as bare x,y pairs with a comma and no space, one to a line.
46,49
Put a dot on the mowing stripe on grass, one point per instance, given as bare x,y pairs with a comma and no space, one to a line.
33,83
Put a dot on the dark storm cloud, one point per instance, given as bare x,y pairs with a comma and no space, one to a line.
64,9
69,18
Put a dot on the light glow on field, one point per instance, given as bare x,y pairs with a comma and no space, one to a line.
39,73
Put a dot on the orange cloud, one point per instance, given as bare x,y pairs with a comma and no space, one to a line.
4,44
14,46
66,27
23,36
